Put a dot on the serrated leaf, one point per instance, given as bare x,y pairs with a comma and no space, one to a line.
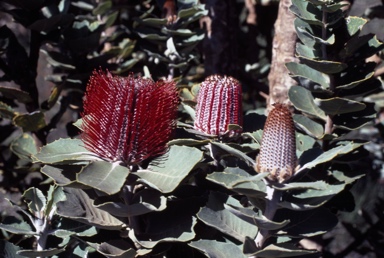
240,181
359,48
166,172
22,228
356,120
215,249
24,146
318,185
301,70
104,176
102,8
143,202
306,223
307,12
354,24
323,66
303,100
337,106
353,84
35,199
43,253
13,93
61,150
309,126
330,155
275,250
30,122
232,151
78,206
215,215
117,248
9,250
7,111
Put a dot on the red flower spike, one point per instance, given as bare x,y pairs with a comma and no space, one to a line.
126,118
278,147
219,105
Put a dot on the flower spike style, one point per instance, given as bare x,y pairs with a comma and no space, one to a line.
219,105
278,147
128,119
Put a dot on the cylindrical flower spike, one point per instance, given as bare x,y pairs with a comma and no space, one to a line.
128,119
278,147
219,105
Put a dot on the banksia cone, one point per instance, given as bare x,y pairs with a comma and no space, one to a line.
278,147
126,118
218,105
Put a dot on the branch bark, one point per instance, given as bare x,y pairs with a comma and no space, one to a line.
283,51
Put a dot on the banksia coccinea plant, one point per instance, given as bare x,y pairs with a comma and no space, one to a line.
128,119
219,105
278,145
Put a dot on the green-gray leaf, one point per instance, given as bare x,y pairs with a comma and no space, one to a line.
22,228
30,122
303,100
330,155
304,71
35,199
24,146
64,150
104,176
337,106
43,253
323,66
215,215
309,126
215,249
166,172
9,250
78,206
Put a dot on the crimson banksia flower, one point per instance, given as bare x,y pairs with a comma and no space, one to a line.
278,146
128,119
218,105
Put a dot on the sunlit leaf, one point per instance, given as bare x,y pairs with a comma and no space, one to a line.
24,146
30,122
64,150
104,176
166,172
215,249
336,106
78,206
303,100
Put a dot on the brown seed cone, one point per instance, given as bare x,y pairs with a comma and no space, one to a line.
278,147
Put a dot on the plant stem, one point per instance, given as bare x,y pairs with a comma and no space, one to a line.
328,130
273,198
43,229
